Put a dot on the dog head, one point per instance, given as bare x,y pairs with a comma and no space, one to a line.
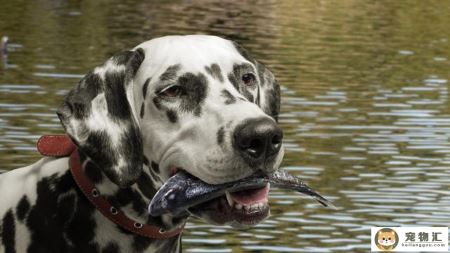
195,103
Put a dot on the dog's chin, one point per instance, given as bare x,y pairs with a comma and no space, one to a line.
242,209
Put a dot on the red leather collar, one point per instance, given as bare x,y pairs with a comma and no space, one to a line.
62,145
55,145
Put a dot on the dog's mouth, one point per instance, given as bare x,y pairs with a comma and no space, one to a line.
242,202
245,207
242,208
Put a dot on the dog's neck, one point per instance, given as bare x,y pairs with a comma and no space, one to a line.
133,200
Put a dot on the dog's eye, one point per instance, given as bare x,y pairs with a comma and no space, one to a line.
172,91
249,79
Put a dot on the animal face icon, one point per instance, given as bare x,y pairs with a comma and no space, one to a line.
386,239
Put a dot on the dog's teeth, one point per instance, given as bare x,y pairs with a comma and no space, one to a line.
229,198
238,206
255,206
247,207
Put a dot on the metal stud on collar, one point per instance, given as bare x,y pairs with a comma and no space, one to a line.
113,210
95,193
138,225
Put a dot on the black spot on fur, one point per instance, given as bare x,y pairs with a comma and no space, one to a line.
65,206
115,95
197,111
93,173
172,116
233,81
261,70
215,71
220,135
9,232
81,228
155,167
170,73
115,83
99,149
145,185
229,98
122,198
132,59
240,69
58,216
142,110
258,97
128,196
273,101
78,101
139,205
145,160
140,243
135,62
22,208
157,102
271,93
122,58
145,87
111,248
248,95
196,88
242,51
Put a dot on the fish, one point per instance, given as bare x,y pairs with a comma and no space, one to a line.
184,190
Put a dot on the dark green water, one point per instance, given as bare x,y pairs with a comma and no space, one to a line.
365,105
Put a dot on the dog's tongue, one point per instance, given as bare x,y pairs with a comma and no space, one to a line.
251,196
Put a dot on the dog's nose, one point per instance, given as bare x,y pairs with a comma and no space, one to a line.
258,139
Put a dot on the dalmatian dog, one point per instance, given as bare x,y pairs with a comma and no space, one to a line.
196,103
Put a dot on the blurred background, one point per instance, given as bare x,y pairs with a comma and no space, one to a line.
365,102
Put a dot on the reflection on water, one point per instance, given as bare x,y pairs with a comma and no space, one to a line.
365,104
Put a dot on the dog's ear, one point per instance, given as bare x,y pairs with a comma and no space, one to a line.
268,98
99,116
